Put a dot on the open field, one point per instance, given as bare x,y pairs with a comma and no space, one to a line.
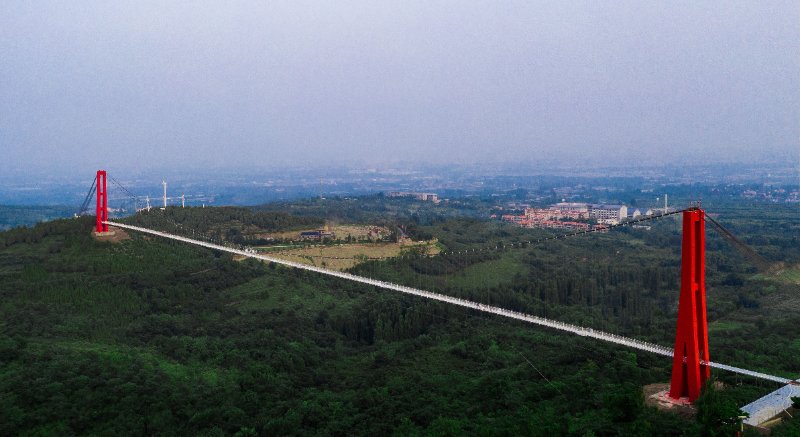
357,232
344,256
488,273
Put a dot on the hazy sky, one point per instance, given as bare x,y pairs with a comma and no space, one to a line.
136,84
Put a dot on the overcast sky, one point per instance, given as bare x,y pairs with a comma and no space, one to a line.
136,84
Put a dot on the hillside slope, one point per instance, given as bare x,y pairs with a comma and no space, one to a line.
154,337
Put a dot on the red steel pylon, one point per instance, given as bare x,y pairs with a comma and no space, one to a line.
102,202
691,338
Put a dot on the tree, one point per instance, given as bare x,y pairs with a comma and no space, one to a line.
717,414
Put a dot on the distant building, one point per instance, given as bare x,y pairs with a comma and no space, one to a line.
659,211
568,215
432,197
566,225
319,235
634,213
425,197
517,205
610,214
513,218
571,206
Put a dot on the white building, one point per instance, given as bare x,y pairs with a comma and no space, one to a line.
610,214
572,206
425,197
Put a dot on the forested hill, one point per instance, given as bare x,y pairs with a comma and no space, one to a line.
379,209
152,337
227,222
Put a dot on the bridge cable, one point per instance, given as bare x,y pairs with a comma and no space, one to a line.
131,195
85,205
762,264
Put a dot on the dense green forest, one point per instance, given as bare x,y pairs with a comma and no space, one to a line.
379,209
231,224
160,338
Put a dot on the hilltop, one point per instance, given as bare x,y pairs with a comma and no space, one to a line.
155,337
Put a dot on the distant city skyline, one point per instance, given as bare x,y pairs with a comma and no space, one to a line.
137,86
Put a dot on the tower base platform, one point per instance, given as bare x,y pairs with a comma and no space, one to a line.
657,395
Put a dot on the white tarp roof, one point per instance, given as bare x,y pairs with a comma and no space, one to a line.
764,409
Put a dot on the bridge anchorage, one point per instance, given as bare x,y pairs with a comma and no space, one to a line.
691,366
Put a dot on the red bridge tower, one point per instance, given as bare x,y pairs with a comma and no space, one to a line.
689,371
102,202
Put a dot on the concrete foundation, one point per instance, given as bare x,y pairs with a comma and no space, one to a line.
657,395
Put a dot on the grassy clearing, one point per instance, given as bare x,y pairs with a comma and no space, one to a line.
121,354
720,326
489,273
358,232
267,293
352,254
789,275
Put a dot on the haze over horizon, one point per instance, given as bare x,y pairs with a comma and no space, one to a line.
141,84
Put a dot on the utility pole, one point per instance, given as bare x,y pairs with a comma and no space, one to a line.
741,425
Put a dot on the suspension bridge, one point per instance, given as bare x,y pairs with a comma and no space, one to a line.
690,353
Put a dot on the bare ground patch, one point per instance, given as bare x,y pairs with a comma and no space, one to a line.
344,256
357,232
114,235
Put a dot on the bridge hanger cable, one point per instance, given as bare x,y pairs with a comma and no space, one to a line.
133,196
538,371
760,263
573,343
85,204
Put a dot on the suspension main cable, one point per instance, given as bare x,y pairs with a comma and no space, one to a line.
85,204
760,263
135,197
